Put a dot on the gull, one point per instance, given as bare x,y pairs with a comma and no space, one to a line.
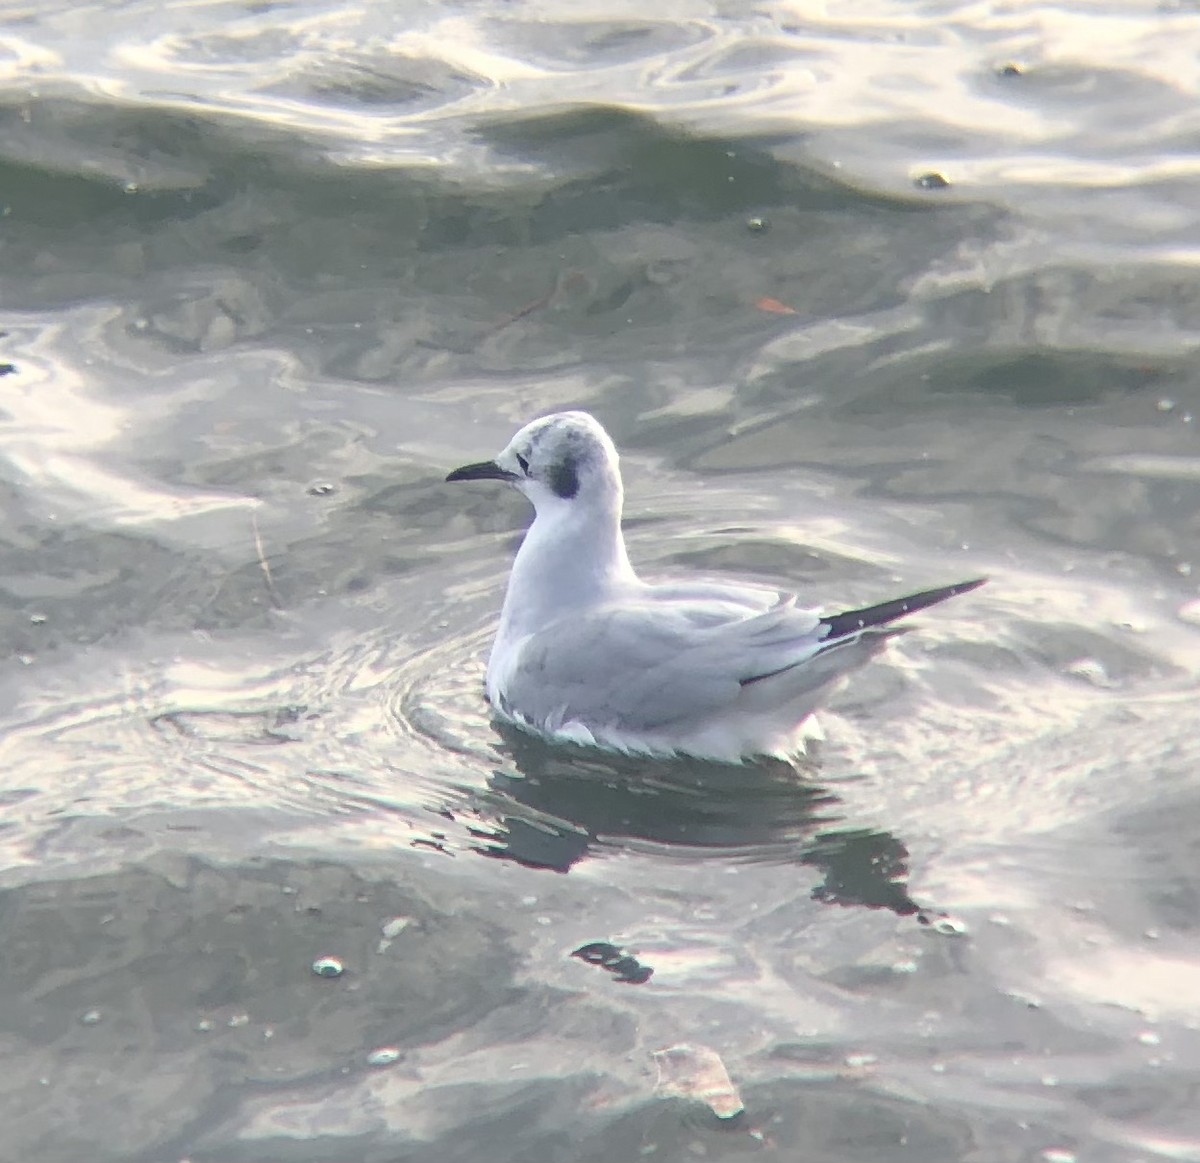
589,653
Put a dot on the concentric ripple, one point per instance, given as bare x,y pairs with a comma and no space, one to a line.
436,697
365,724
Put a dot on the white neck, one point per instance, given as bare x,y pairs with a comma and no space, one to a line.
573,557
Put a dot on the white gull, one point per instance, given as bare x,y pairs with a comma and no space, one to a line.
589,653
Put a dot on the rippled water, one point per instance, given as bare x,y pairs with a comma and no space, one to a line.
872,295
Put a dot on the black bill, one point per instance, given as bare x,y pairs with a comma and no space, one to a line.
485,470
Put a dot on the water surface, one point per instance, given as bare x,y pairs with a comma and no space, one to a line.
871,296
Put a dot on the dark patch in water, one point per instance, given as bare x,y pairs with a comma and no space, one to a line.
624,967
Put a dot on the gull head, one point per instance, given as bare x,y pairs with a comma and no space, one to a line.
563,459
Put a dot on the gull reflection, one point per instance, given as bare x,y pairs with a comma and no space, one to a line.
554,806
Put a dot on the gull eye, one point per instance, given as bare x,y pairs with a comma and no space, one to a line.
523,463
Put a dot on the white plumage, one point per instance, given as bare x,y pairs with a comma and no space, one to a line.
587,652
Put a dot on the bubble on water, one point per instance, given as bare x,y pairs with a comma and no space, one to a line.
238,1020
91,1018
384,1056
938,1068
757,225
1049,1079
204,1025
1058,1155
328,967
1149,1038
1189,612
1184,569
1166,404
904,967
931,181
322,489
948,926
37,619
1090,670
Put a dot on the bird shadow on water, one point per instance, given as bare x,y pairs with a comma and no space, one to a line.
556,806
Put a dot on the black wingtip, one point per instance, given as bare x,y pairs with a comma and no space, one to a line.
853,621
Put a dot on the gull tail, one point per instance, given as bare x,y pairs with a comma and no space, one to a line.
853,621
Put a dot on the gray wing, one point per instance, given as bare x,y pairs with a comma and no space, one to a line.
641,666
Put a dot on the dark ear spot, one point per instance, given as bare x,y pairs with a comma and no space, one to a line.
564,479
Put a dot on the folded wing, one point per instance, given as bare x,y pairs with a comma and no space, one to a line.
658,664
643,668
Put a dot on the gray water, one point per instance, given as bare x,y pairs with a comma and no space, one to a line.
269,270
